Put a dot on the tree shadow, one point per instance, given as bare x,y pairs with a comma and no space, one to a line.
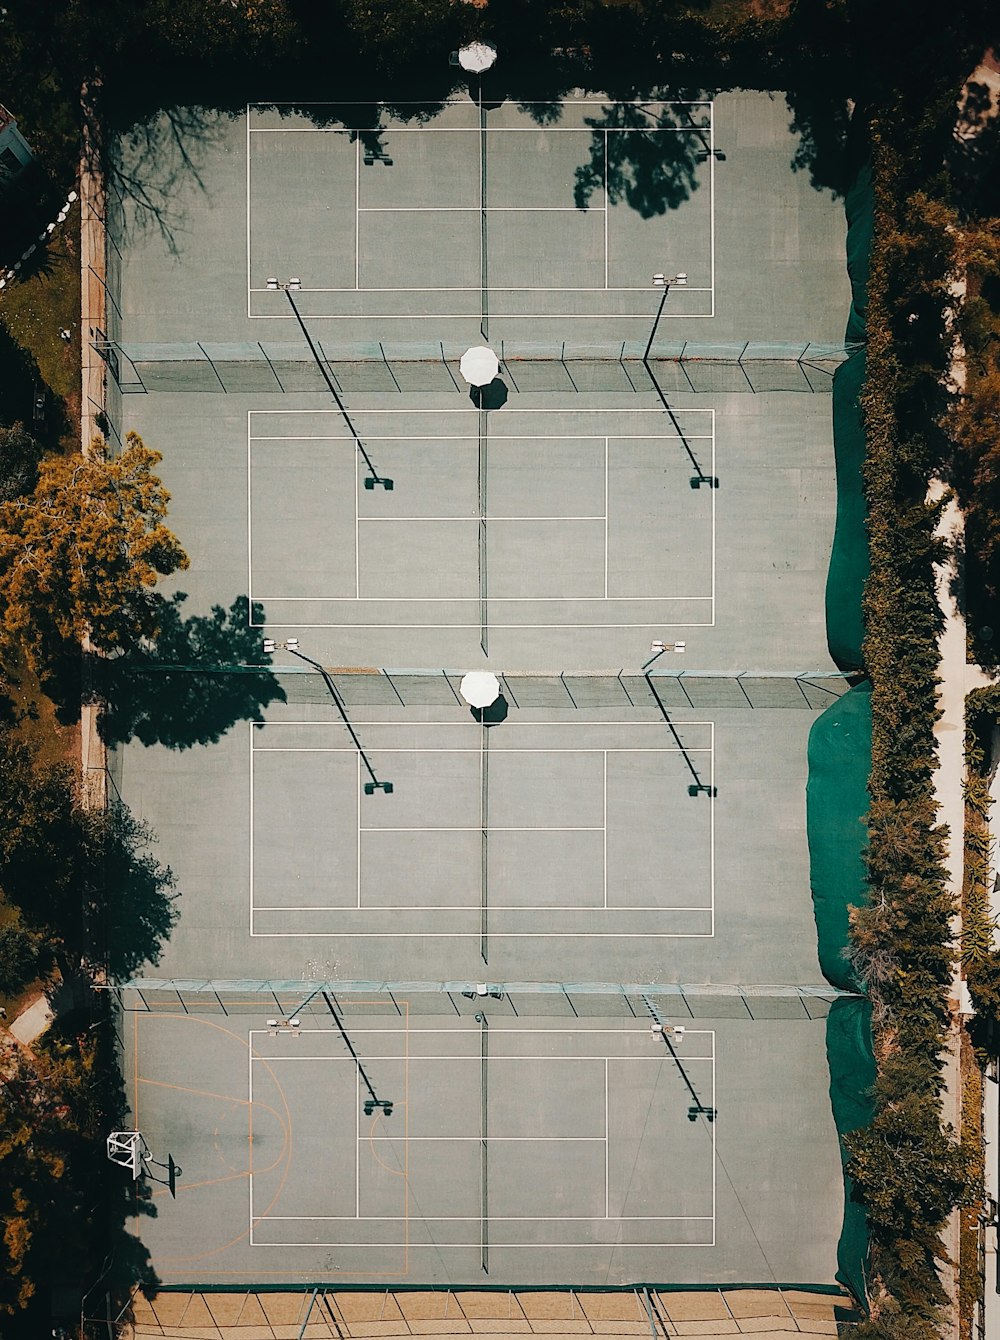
129,899
152,163
649,171
822,121
975,153
198,678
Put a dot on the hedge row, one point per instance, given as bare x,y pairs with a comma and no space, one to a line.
907,1166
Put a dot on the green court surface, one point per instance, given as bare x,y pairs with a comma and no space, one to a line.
612,828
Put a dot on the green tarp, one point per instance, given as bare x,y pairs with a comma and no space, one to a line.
840,757
849,563
852,1075
860,208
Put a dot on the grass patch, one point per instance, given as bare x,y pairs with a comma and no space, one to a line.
36,309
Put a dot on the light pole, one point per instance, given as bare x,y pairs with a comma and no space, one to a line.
697,786
670,1033
662,282
292,645
288,287
373,1101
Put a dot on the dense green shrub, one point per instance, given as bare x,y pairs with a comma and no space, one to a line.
24,957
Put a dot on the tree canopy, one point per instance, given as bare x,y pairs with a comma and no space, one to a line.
81,554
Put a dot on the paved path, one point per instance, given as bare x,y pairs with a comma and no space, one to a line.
33,1021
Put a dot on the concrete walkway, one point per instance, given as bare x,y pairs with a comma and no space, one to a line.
33,1021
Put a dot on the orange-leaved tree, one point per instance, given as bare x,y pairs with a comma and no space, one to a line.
82,553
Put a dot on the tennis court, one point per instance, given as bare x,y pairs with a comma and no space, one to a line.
517,1148
509,177
486,945
581,517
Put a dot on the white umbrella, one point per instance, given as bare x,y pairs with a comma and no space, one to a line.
479,365
477,56
480,688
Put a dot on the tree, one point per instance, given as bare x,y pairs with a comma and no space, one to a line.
19,457
85,879
23,958
82,553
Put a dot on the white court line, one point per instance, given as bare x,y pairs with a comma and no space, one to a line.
607,468
711,205
249,248
654,624
607,1147
470,129
251,825
357,526
468,907
714,1154
413,413
494,828
605,828
626,724
467,438
392,520
376,1030
607,209
357,215
468,209
469,600
495,288
358,858
467,749
250,1060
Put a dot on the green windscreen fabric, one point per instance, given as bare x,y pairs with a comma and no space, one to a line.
852,1075
849,562
860,207
840,759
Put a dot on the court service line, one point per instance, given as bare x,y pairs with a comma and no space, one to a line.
468,749
469,907
438,317
357,214
476,209
465,520
494,828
